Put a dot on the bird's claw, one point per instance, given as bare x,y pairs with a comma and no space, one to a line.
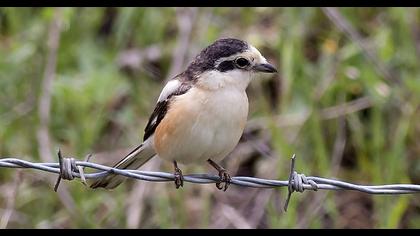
224,179
179,178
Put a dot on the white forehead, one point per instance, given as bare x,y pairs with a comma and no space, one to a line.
251,53
254,53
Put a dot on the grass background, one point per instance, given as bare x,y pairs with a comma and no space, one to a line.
346,101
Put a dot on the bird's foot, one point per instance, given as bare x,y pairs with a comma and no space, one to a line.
179,178
225,180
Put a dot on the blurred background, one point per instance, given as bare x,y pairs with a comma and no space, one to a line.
346,100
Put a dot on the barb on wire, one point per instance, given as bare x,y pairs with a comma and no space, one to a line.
69,168
296,182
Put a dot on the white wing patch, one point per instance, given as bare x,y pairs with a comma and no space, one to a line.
169,89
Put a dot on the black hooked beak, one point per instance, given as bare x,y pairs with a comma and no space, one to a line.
267,68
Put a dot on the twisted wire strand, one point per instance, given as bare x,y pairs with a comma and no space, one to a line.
69,168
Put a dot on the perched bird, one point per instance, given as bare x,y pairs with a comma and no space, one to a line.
201,113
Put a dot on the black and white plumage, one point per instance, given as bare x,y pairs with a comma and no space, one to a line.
181,83
200,113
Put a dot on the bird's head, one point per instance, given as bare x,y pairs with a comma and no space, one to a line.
226,62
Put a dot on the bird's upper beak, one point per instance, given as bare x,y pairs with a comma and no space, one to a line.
264,67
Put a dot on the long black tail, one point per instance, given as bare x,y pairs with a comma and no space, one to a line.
134,160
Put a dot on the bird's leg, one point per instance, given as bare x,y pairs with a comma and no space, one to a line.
179,178
223,174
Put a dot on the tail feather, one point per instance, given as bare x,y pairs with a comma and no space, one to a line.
134,160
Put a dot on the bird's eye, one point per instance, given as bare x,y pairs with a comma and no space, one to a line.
241,62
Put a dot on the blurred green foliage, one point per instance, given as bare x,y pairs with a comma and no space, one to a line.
101,104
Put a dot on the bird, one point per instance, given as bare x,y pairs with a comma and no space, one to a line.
200,114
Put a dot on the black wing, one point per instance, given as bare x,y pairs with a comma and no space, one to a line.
162,107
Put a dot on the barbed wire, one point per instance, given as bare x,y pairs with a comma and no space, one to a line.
70,168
